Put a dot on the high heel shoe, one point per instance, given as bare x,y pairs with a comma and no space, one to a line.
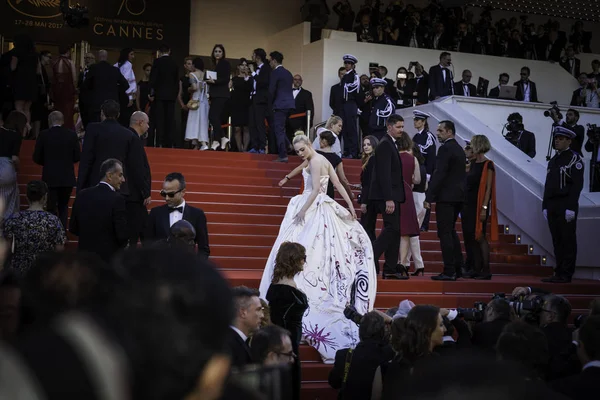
419,271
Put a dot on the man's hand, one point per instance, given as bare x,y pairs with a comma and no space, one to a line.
148,201
151,98
363,208
130,103
444,312
390,206
569,215
426,205
520,291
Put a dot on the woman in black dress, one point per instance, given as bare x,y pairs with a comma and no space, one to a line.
25,66
219,94
287,303
401,93
480,206
242,85
369,145
11,135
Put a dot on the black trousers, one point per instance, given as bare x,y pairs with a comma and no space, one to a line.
278,129
388,241
136,221
564,240
256,124
58,202
125,115
350,130
446,215
425,224
478,254
217,105
164,114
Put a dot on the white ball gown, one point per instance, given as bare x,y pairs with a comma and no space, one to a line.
339,268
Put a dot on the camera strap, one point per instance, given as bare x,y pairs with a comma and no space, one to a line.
347,368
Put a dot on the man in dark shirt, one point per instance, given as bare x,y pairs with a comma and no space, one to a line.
336,94
570,122
518,136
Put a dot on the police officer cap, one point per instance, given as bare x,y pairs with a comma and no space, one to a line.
349,58
378,82
562,131
420,115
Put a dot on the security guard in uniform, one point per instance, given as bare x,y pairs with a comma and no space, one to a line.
382,106
427,144
564,183
351,88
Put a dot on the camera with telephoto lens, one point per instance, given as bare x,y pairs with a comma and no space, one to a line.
593,133
553,110
352,314
474,314
528,308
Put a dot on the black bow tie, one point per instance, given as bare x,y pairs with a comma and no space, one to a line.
180,209
296,89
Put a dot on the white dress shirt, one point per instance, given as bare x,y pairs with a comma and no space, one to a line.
254,74
244,337
295,92
176,216
527,91
466,89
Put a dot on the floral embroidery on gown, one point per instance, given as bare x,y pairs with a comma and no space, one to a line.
339,268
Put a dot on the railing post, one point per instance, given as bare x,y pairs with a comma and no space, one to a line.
229,134
308,115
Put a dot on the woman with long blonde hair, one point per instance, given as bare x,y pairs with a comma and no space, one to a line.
333,124
339,268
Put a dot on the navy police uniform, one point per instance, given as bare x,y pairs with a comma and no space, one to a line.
351,87
564,182
381,108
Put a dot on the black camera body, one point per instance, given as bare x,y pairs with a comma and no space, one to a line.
553,110
352,314
523,308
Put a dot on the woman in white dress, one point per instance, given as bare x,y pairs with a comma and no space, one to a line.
340,268
196,130
333,124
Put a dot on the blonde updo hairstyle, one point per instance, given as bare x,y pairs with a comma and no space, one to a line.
299,136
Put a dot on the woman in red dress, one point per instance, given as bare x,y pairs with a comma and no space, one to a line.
409,225
63,86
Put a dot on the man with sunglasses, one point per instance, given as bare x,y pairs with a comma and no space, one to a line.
526,89
162,218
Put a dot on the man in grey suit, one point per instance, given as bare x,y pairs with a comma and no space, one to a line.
281,101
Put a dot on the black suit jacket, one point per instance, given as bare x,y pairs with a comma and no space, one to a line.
336,99
565,63
140,185
437,86
221,86
421,86
262,79
239,350
459,89
57,149
580,386
164,79
494,92
577,99
158,226
387,182
99,218
304,102
447,184
486,334
521,92
108,139
104,82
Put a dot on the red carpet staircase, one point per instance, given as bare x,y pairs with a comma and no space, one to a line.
244,208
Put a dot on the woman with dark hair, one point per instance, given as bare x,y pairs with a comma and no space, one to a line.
287,303
11,136
369,145
196,129
25,66
401,94
242,86
418,191
64,84
480,206
34,230
423,329
125,65
219,94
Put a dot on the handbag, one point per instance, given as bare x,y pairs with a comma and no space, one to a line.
193,104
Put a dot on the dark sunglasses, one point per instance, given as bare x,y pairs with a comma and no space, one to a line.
169,194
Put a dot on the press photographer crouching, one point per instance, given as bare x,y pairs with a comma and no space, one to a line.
591,145
518,136
496,316
354,369
570,123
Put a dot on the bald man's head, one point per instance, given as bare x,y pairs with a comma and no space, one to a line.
297,81
102,55
139,122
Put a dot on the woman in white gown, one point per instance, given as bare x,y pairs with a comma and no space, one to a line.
339,267
196,130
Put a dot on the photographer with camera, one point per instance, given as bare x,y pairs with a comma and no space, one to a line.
518,136
496,316
570,123
592,145
591,93
560,204
354,369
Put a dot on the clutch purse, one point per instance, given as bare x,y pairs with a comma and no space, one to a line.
193,104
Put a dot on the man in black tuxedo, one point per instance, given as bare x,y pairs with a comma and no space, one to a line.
57,150
385,195
582,385
419,85
163,217
336,94
259,109
109,139
164,87
578,97
447,190
502,81
99,216
103,82
441,80
304,103
249,313
84,95
570,63
139,191
526,89
465,87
